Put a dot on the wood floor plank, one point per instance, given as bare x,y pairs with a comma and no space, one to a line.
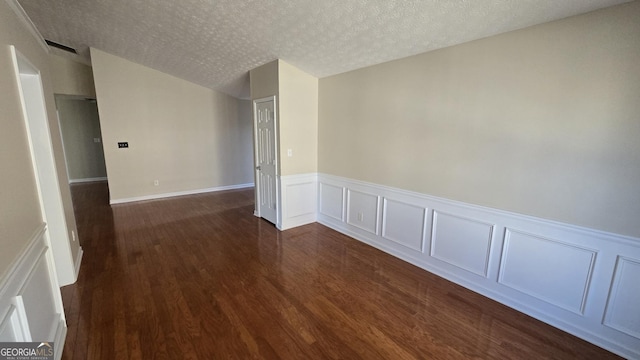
199,277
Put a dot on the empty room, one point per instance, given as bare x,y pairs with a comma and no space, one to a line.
320,179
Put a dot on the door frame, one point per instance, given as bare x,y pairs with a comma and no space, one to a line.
34,112
276,143
63,97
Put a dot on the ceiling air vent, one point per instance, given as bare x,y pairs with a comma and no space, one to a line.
61,47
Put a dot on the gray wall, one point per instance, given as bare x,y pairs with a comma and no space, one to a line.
80,125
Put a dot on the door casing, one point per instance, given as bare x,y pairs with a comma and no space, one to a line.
34,111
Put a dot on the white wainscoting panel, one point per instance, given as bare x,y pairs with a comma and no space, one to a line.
362,210
15,326
299,196
547,269
623,309
404,223
461,242
565,275
40,303
331,200
30,300
8,329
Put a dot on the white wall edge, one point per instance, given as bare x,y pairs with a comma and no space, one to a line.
59,340
85,180
607,246
179,193
47,182
78,261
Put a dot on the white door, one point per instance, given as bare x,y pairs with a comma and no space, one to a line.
266,158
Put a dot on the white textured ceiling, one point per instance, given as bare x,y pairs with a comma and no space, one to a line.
215,43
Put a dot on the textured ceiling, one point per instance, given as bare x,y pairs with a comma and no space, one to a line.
215,43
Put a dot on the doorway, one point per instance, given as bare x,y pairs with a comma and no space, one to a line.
81,138
266,158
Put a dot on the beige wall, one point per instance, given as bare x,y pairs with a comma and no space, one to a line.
245,140
263,80
542,121
19,205
80,125
298,120
70,77
186,136
297,106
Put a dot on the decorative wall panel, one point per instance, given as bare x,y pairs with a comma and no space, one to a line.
623,308
403,223
547,269
362,210
30,300
462,242
299,200
331,201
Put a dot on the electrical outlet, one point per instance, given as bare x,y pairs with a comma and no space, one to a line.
289,152
122,145
156,182
73,236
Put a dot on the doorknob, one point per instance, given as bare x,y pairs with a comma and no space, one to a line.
258,167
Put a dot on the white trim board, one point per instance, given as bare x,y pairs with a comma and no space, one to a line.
179,193
567,276
78,261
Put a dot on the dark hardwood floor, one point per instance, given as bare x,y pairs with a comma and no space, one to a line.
199,277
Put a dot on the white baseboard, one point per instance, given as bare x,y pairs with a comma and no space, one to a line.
179,193
77,181
580,280
30,301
